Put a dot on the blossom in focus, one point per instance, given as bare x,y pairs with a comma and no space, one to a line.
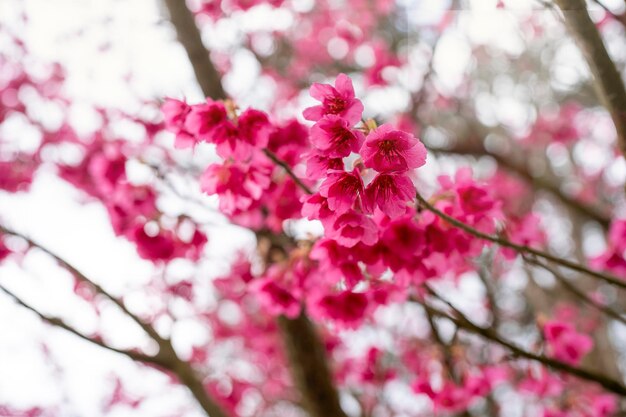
336,100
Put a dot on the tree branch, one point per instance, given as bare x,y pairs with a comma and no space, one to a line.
271,155
309,366
83,278
464,323
607,78
166,357
521,248
189,37
580,207
56,322
577,292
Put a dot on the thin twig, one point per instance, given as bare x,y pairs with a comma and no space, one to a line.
521,248
56,322
577,292
445,348
588,210
491,298
463,322
167,355
271,155
83,278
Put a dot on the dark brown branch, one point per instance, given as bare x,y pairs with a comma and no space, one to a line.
463,322
522,249
445,348
490,292
310,369
608,81
189,37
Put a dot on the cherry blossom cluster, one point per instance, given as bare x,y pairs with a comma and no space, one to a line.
357,179
374,250
365,201
132,208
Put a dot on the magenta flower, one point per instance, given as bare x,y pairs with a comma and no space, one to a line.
159,247
387,149
175,114
565,342
276,298
239,140
237,186
342,190
203,120
254,129
390,192
317,165
332,135
347,309
338,100
404,239
315,207
4,251
353,227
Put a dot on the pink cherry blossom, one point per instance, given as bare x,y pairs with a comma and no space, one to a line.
387,149
238,186
175,113
346,309
337,263
390,192
157,247
276,298
338,100
333,136
565,342
318,165
315,207
204,120
16,175
342,190
353,227
4,251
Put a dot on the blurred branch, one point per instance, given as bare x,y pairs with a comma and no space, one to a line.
271,155
609,83
83,278
309,365
167,357
522,249
445,348
461,321
56,322
189,37
621,18
490,292
585,209
576,291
